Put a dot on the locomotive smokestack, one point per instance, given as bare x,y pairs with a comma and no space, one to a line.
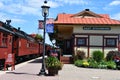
8,22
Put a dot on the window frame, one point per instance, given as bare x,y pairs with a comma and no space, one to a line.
108,45
85,41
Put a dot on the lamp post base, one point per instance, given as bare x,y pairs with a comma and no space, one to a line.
42,72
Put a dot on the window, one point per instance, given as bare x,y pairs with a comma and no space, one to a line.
81,41
4,40
68,44
28,44
111,42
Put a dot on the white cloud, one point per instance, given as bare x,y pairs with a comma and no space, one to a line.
116,16
4,17
54,4
13,8
1,4
58,3
34,3
30,10
112,6
33,7
73,1
16,20
22,8
115,3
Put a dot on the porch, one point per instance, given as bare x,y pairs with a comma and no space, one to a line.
64,41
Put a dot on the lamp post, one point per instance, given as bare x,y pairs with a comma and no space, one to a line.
45,13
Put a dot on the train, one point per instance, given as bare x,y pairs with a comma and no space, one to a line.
19,43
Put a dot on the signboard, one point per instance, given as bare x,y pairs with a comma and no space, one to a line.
41,24
9,60
96,28
49,28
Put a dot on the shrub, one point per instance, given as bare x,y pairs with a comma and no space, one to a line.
80,55
85,63
98,56
111,65
111,54
78,63
53,63
103,64
81,63
92,63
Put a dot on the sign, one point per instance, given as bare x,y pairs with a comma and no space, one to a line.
49,28
9,60
41,24
96,28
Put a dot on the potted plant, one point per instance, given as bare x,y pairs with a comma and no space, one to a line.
53,65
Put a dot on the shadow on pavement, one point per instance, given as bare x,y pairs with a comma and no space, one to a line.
19,73
36,61
23,73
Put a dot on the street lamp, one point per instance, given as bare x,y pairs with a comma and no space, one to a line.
45,13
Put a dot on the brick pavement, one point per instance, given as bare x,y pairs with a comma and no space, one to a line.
29,71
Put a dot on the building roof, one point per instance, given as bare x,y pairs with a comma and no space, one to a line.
86,17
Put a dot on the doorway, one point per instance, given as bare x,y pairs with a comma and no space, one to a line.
67,48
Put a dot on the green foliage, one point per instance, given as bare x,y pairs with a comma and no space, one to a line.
53,63
111,54
98,56
92,63
80,55
111,65
97,60
81,63
85,63
78,63
102,64
38,37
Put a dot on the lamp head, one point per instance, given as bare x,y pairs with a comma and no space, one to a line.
45,9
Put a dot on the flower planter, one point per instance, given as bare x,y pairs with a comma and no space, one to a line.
52,72
53,65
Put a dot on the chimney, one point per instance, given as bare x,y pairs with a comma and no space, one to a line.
18,28
87,10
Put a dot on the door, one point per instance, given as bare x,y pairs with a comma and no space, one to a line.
67,47
15,45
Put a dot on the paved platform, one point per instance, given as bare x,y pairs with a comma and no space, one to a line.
30,69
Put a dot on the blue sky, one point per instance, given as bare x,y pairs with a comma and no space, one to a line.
26,13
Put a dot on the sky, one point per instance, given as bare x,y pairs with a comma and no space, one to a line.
26,13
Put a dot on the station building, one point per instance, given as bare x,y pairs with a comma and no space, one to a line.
86,31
